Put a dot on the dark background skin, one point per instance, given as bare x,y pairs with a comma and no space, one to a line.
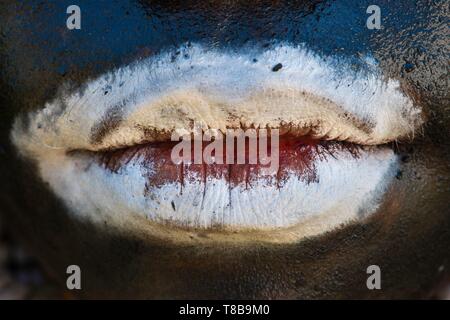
408,238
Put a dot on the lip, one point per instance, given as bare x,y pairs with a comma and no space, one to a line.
105,149
315,180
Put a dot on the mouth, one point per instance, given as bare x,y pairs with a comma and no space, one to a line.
108,151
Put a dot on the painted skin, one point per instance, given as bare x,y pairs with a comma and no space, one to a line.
141,105
136,260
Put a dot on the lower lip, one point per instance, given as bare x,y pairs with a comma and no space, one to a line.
328,182
296,157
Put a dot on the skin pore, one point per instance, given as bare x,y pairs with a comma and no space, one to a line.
407,237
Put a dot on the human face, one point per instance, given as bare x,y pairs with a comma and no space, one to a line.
136,71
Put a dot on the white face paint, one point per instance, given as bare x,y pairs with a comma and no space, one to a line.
322,98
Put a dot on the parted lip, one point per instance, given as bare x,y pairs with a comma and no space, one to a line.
105,148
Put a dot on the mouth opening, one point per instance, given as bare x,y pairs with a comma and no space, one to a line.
291,155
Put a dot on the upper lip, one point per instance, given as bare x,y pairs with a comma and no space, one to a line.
147,101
